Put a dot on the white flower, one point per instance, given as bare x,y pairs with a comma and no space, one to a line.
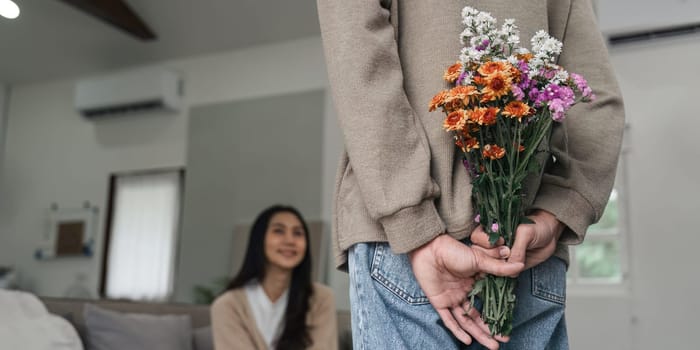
545,46
466,34
468,12
538,39
477,40
535,64
522,51
560,76
513,40
509,28
512,60
470,54
485,22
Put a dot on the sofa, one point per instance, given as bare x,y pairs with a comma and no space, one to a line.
197,317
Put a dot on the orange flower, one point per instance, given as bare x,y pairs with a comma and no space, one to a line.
496,85
452,104
452,73
464,93
521,148
455,121
491,67
525,56
484,115
517,109
438,100
467,143
493,152
504,67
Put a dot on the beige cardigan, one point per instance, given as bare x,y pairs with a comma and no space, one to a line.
234,326
400,178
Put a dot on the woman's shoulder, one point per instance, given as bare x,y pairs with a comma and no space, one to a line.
322,293
228,299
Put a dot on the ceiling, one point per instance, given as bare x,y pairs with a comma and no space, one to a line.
52,40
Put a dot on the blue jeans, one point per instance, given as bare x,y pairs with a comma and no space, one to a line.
390,311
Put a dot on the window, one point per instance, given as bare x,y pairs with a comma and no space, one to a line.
141,239
600,259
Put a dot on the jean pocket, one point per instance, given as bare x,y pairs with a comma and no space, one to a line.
549,280
394,273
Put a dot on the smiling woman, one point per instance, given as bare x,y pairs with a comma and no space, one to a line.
272,303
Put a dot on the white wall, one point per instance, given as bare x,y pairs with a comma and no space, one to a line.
4,92
624,16
660,306
55,155
659,83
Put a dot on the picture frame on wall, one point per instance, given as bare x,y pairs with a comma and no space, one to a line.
70,233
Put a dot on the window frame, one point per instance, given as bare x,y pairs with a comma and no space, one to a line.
111,203
591,286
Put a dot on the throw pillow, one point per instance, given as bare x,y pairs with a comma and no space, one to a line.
112,330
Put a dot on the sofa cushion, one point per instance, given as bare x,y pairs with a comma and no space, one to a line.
203,338
112,330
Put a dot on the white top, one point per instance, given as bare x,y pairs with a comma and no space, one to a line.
268,315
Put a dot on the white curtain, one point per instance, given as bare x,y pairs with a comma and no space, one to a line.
143,237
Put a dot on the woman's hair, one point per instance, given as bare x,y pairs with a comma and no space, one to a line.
295,334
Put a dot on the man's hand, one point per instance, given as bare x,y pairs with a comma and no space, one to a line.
446,269
534,243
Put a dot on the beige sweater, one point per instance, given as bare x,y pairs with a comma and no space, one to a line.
400,178
234,327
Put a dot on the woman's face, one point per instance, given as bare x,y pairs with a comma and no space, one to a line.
285,241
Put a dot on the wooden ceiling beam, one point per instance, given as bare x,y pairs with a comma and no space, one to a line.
117,13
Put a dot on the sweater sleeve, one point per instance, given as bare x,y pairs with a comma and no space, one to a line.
324,323
227,323
386,144
577,185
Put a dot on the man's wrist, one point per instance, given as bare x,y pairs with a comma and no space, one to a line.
557,227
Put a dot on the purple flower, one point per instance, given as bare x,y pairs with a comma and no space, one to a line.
484,44
553,92
550,73
470,168
477,218
523,67
494,227
582,85
461,77
517,92
557,107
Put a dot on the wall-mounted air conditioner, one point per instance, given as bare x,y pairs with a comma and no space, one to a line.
634,20
129,91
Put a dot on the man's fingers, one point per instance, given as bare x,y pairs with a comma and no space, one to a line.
481,238
501,338
474,314
498,267
452,325
497,252
472,324
522,242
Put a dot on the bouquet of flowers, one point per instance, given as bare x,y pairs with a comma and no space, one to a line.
501,105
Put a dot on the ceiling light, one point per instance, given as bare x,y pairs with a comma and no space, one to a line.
8,9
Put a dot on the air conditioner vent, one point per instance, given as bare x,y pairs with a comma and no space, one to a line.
647,35
129,92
